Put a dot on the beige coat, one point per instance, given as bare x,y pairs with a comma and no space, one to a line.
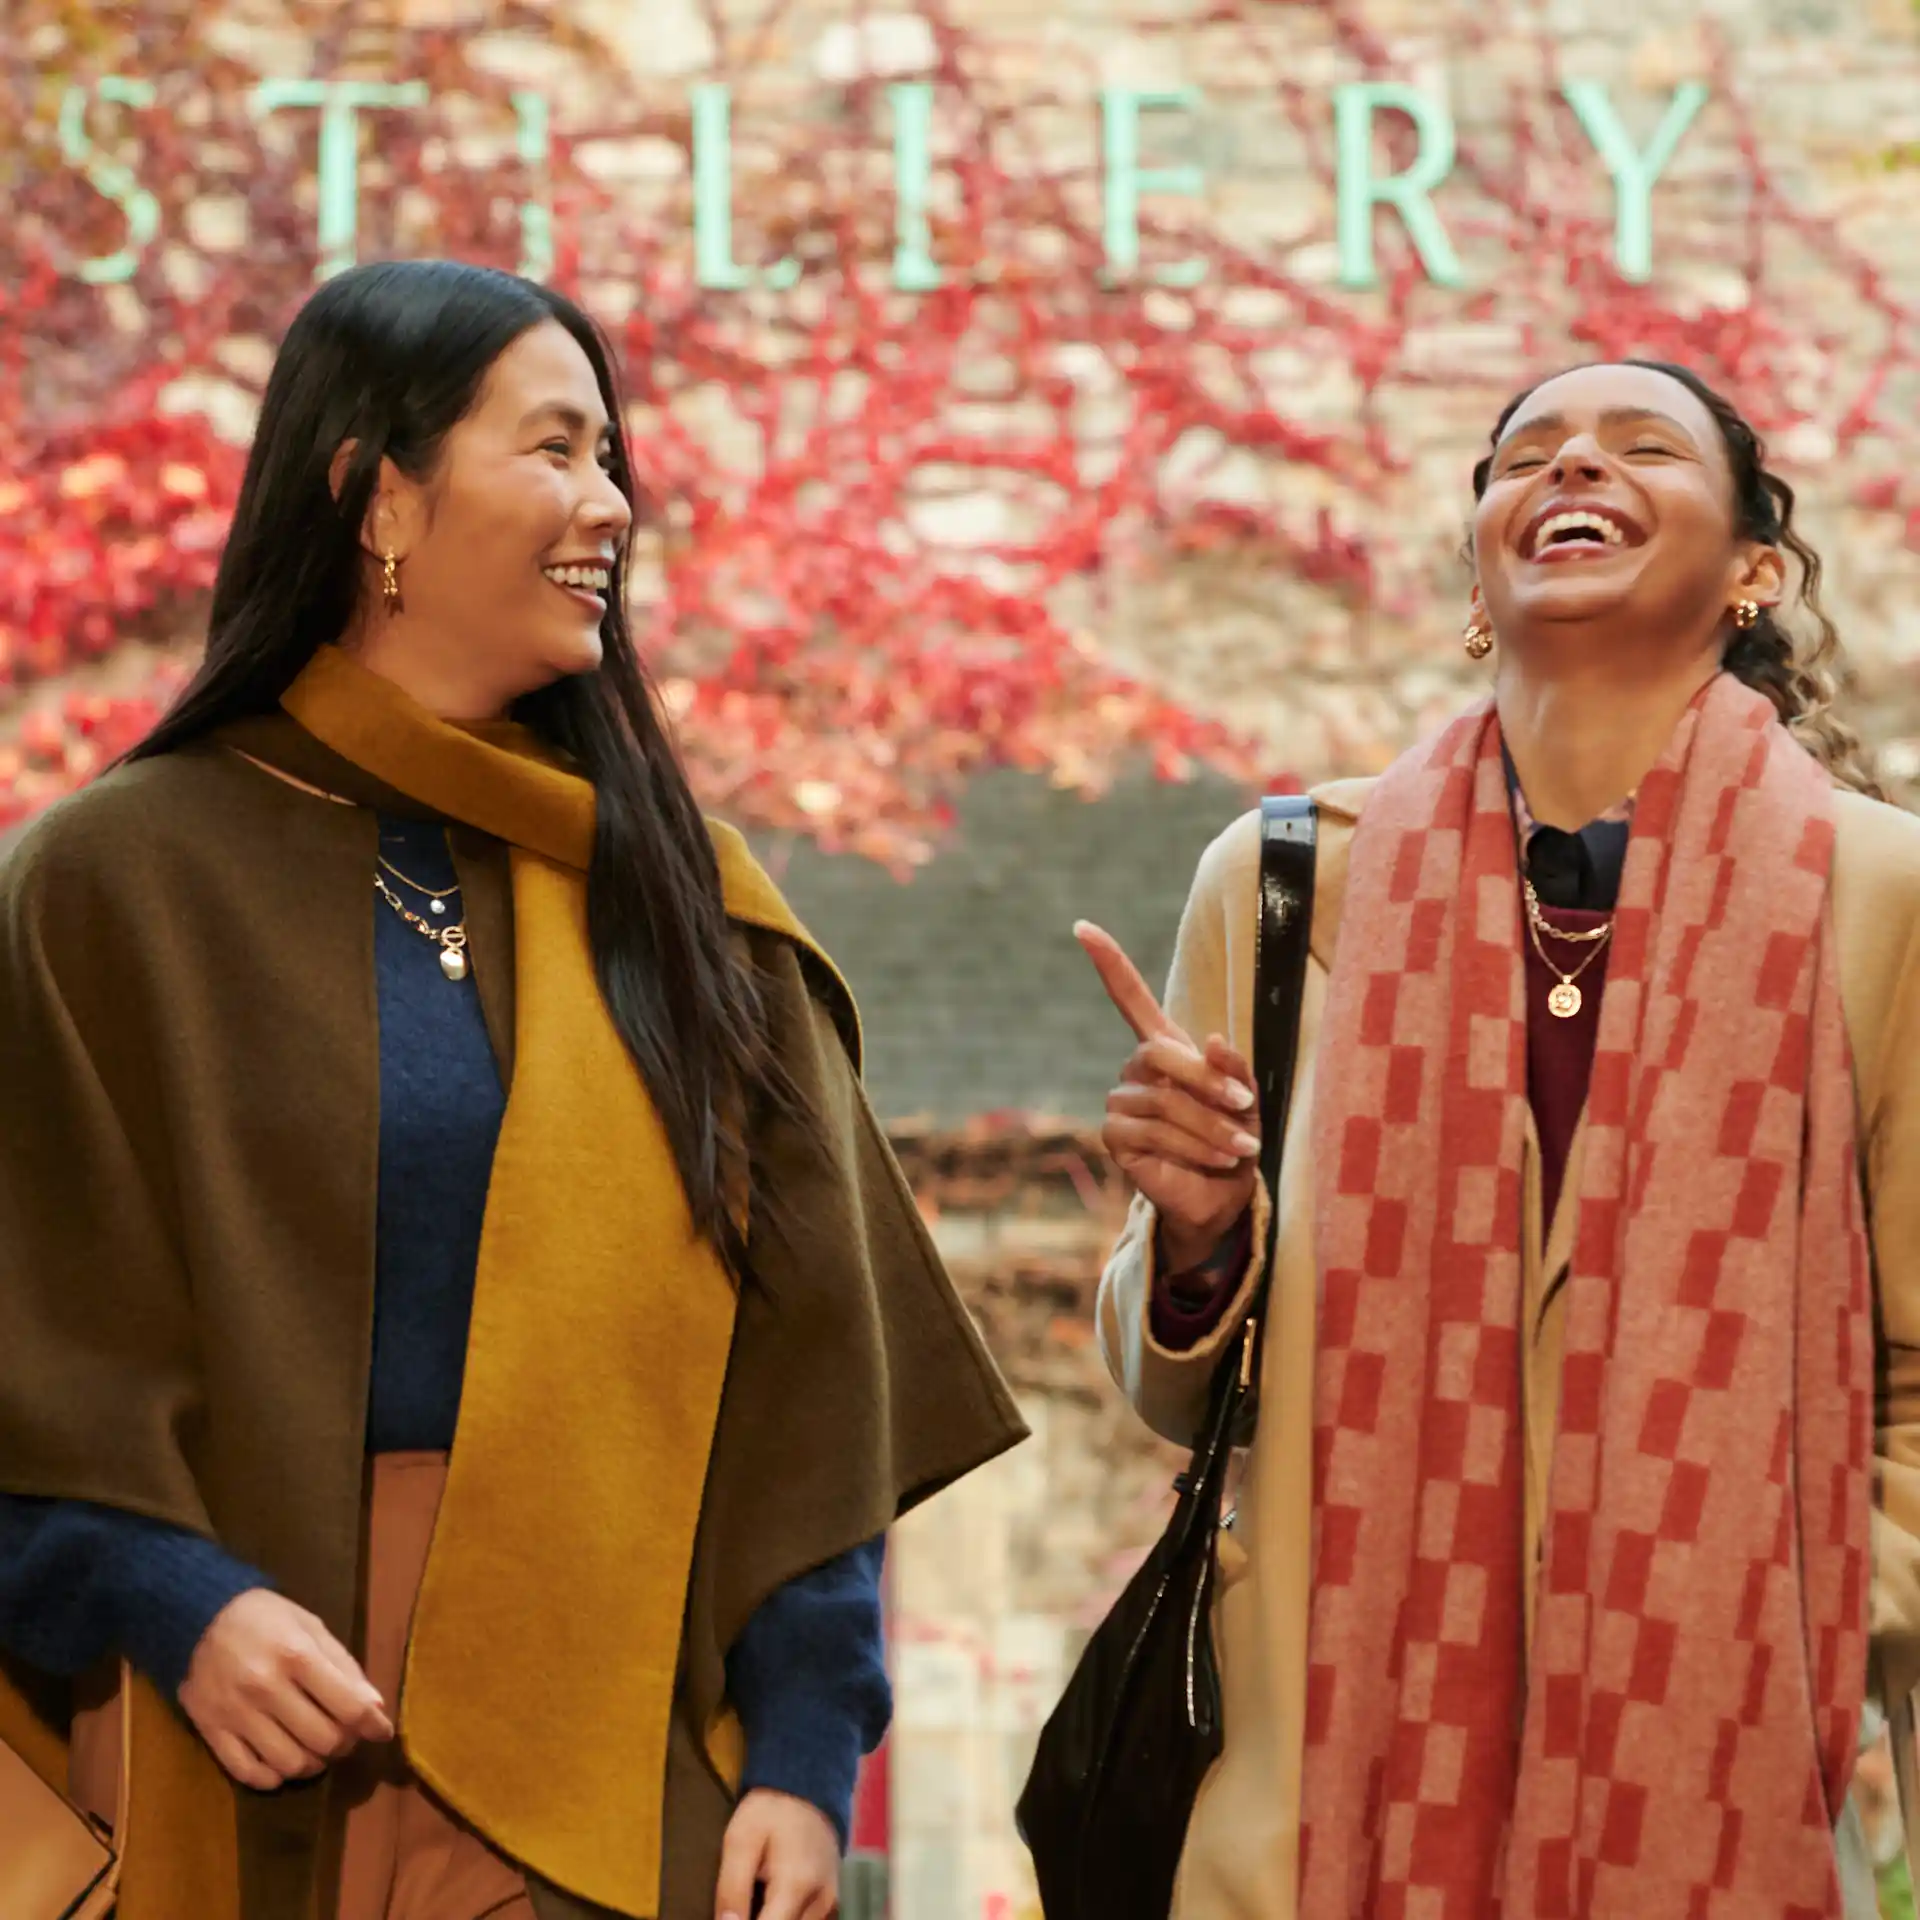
1240,1860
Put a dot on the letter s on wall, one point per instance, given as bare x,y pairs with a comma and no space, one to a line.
107,178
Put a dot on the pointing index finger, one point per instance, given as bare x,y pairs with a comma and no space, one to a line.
1125,988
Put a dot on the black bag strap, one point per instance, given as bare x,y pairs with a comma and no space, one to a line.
1283,935
1289,845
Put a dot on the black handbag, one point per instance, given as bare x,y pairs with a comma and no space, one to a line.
1121,1760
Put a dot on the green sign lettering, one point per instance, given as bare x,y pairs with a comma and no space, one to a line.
914,268
1634,174
109,180
536,218
339,102
1358,192
1120,110
713,261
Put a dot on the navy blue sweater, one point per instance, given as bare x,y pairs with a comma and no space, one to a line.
807,1676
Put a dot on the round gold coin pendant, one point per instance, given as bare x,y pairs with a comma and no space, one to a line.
1564,1001
453,963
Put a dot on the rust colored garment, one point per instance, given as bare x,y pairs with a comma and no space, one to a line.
1577,879
406,1857
1560,1052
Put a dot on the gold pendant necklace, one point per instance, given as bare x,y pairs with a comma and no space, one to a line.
1565,1000
452,941
435,897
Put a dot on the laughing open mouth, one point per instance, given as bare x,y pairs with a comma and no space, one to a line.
1574,531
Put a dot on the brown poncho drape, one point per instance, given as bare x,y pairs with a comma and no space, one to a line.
189,1107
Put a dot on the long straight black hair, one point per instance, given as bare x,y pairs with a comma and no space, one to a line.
391,357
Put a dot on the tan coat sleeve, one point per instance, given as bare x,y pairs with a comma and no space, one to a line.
1893,1188
1209,990
1876,907
1892,1165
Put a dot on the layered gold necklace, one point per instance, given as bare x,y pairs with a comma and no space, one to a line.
451,940
1566,999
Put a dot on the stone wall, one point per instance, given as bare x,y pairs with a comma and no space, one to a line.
1278,463
1785,255
975,996
997,1583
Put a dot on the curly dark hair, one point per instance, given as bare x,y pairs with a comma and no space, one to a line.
1804,680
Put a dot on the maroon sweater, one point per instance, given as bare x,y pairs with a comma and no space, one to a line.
1577,879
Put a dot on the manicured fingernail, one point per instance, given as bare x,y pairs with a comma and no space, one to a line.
1245,1143
1239,1095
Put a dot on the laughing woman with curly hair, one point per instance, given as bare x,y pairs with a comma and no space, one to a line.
1584,1511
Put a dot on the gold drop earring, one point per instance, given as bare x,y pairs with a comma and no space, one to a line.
1478,638
390,580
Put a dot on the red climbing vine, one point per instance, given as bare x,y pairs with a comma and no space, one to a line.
885,528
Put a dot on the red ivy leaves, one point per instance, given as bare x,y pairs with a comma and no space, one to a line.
110,535
881,570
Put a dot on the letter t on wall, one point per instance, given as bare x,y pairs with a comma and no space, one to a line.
339,102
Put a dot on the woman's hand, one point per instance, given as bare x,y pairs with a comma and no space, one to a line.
789,1848
1183,1123
275,1696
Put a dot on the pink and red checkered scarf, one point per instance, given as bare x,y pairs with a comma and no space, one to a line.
1678,1738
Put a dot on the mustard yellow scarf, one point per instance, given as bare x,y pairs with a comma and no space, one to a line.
601,1331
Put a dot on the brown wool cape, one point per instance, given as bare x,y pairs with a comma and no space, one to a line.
189,1118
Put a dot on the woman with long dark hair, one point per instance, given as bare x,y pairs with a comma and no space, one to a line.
463,1337
1582,1511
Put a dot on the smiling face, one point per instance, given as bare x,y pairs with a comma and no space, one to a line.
1609,506
508,549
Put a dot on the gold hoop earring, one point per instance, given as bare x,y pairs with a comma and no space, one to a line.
1746,615
1478,639
390,581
